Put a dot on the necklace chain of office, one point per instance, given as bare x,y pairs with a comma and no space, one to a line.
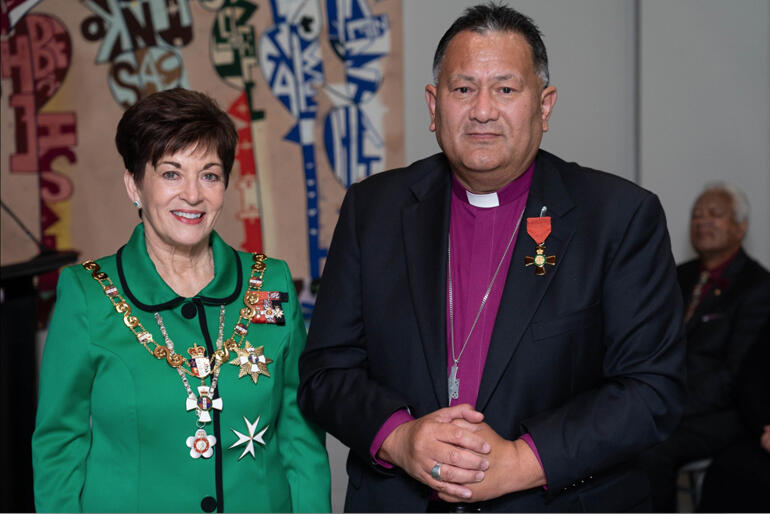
251,360
201,443
454,382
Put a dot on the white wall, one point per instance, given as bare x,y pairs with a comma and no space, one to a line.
705,93
590,48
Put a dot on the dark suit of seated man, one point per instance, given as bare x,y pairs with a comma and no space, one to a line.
727,299
492,319
738,479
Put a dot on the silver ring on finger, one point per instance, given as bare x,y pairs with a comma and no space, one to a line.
436,472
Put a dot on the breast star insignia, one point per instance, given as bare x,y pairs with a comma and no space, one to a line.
252,361
249,439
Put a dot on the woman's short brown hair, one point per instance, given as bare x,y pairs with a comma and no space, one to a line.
167,122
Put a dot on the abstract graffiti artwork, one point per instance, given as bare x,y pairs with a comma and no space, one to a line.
301,79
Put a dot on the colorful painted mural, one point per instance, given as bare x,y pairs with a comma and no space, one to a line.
301,79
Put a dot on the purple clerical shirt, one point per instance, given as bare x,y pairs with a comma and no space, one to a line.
480,228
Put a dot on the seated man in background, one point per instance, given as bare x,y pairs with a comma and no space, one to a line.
727,299
739,478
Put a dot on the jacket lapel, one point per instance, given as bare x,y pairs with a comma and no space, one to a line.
712,301
426,229
524,290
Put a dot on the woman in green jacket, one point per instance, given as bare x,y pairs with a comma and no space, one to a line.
169,375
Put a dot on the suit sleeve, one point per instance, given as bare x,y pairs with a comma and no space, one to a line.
302,445
334,366
62,436
638,400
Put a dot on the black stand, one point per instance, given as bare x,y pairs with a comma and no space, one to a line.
18,374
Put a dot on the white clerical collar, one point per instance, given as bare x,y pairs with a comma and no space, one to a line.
486,200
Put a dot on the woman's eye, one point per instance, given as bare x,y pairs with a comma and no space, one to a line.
211,177
170,175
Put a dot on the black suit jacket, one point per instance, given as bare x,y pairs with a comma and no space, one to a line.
588,359
719,334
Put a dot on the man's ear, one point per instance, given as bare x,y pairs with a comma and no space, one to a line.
547,101
743,226
430,99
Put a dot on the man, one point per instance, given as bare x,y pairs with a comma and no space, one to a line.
739,476
727,298
495,326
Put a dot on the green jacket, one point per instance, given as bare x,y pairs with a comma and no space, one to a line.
111,421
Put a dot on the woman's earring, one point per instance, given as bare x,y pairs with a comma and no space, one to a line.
137,204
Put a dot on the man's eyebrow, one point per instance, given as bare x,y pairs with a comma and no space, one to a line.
509,76
497,78
459,76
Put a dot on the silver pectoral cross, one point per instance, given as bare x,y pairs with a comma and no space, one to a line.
454,383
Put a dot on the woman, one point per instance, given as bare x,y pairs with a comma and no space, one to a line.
169,375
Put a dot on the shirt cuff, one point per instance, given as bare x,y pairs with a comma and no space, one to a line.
399,417
531,443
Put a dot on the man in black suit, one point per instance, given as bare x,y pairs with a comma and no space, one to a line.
738,480
495,326
727,299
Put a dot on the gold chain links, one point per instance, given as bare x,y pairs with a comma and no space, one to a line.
175,360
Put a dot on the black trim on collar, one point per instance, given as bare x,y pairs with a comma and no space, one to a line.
144,306
176,301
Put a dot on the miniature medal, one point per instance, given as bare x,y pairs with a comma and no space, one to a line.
268,309
539,229
201,444
252,361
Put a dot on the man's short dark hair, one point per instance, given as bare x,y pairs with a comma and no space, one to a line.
492,17
167,122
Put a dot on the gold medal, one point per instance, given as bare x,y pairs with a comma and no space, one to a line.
252,361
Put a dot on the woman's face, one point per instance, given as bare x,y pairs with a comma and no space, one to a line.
181,197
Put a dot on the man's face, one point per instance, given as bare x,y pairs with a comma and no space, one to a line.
713,229
489,109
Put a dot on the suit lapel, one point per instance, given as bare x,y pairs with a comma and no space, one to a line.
712,301
426,229
524,290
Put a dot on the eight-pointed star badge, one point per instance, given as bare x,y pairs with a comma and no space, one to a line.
249,439
252,361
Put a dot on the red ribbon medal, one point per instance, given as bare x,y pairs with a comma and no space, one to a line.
539,229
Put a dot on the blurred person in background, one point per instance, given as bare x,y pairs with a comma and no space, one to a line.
738,479
727,301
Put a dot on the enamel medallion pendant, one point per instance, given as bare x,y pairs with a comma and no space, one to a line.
201,444
203,404
200,365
